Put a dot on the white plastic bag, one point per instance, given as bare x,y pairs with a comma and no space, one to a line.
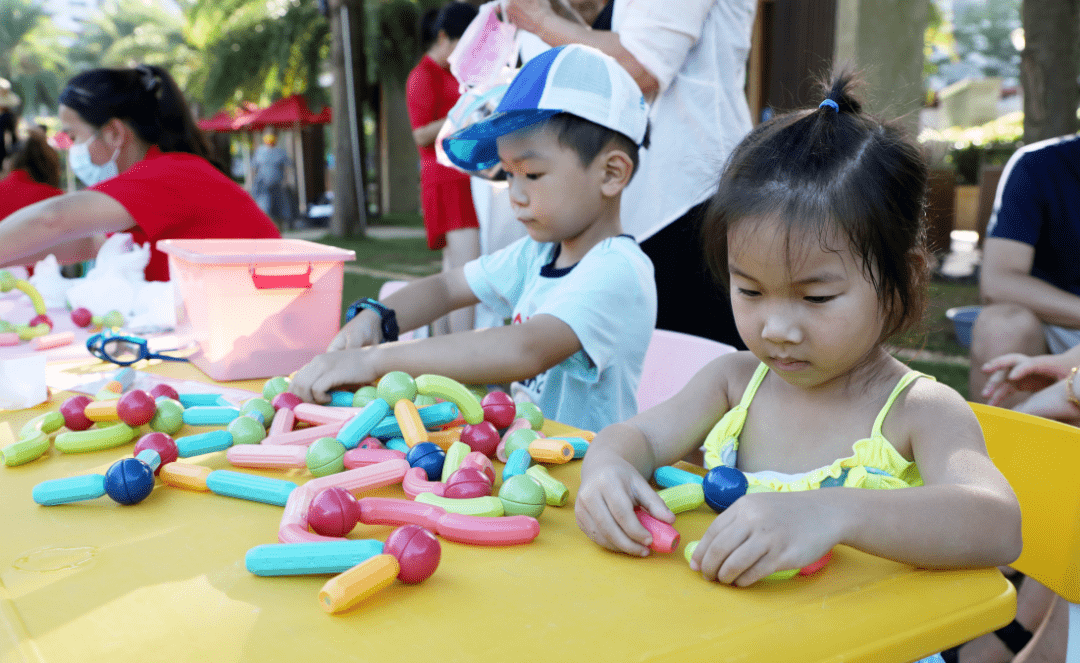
484,63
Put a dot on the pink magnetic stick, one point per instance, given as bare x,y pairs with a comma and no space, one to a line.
474,530
52,340
304,436
283,422
390,511
416,482
362,457
320,414
9,338
258,456
478,461
363,478
665,538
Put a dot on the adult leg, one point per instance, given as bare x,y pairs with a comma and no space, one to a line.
1001,329
1050,641
689,299
1033,602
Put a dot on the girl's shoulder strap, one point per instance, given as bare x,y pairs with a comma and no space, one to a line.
751,388
901,385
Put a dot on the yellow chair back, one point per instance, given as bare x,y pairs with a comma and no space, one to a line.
1041,460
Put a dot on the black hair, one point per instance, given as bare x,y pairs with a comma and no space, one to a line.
833,171
426,28
453,18
588,138
146,98
34,155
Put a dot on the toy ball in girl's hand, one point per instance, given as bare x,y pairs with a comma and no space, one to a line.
417,552
333,512
723,485
162,389
73,410
499,409
81,317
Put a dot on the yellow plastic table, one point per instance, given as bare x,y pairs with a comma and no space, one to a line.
165,580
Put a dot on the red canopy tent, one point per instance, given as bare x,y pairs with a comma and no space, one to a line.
222,121
287,113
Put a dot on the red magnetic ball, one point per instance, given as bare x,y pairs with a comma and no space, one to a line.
417,552
285,401
82,317
162,443
467,482
333,512
38,319
162,389
73,411
499,409
136,408
482,437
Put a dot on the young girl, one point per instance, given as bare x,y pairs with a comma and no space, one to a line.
817,225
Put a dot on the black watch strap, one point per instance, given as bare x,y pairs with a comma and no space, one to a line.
386,314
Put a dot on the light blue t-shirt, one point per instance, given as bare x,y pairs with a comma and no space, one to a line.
608,299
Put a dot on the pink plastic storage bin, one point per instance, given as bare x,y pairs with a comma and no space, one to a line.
256,307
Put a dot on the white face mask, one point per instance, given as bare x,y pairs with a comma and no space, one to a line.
88,172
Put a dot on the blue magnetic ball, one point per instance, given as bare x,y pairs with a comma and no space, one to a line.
129,481
430,457
723,485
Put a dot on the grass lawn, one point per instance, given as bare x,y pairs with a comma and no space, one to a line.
931,346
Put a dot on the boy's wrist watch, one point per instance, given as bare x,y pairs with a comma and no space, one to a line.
386,314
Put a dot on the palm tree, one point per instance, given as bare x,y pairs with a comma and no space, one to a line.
31,56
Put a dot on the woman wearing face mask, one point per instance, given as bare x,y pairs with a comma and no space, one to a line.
146,168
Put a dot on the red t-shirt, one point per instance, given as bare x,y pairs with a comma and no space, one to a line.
430,93
176,195
18,190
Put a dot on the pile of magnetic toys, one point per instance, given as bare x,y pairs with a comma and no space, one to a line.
431,434
37,331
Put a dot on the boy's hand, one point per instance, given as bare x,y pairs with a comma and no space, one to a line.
765,532
363,330
605,508
314,381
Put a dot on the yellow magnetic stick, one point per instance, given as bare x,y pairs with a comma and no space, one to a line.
345,590
408,419
786,574
451,390
95,439
446,437
26,333
185,475
685,497
33,294
454,455
555,492
487,507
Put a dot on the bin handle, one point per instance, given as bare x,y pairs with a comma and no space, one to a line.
280,281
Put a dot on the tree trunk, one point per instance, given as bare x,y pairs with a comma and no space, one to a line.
399,171
1048,68
349,93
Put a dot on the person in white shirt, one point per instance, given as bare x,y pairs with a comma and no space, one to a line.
691,65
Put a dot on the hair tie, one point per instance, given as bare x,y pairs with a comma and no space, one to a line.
831,104
150,81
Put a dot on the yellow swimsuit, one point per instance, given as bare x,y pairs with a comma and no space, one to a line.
874,463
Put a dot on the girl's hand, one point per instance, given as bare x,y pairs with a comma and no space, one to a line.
605,508
1018,372
363,330
528,15
765,532
329,370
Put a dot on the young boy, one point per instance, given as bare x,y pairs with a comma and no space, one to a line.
579,293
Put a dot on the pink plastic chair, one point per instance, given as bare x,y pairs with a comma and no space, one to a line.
671,360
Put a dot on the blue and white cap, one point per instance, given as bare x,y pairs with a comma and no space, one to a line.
574,79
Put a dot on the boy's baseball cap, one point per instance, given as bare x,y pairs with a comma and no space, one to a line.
574,79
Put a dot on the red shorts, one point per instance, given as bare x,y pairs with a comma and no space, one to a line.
447,206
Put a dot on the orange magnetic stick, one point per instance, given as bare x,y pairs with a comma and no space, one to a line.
185,475
444,438
408,418
101,410
345,590
551,450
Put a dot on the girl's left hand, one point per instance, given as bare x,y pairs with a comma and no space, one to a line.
331,370
528,15
765,532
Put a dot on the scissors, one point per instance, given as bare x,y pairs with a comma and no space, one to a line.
123,350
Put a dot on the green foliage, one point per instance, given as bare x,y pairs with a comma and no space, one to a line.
969,148
124,33
983,30
31,56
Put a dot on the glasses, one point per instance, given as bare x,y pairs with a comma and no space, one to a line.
123,350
